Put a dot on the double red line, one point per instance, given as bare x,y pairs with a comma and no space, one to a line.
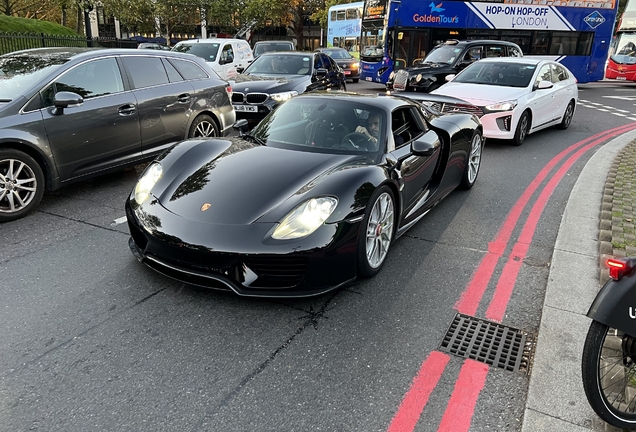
473,374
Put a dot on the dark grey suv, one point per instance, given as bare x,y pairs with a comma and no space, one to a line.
70,113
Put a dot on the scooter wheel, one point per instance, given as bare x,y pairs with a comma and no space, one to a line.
609,376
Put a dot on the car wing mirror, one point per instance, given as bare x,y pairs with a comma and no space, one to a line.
65,99
426,145
240,69
241,126
544,85
450,77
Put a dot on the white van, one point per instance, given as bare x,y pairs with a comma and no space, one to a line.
223,55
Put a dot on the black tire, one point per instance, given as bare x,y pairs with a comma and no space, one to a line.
203,126
604,367
21,184
383,232
473,161
355,80
567,117
523,126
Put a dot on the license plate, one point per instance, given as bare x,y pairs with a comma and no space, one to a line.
398,87
369,79
347,72
245,108
621,78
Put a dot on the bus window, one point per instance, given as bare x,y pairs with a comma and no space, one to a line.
340,15
352,14
540,43
584,46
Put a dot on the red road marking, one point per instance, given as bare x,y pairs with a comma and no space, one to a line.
416,398
470,383
430,372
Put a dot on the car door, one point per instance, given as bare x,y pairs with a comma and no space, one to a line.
543,101
416,171
226,61
318,82
164,100
563,90
333,72
99,133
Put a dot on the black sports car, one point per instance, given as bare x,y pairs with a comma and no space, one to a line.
275,77
309,200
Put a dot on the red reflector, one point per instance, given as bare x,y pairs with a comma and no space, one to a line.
617,268
228,89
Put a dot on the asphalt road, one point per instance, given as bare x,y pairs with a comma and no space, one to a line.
93,340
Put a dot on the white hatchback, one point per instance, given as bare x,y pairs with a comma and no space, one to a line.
514,96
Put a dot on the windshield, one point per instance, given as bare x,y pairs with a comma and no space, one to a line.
372,40
337,54
626,49
268,47
497,74
207,51
21,71
324,125
280,64
443,54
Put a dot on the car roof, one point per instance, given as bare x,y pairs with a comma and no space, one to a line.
479,42
382,101
287,53
273,43
522,60
210,40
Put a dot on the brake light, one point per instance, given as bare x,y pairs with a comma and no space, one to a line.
618,268
228,89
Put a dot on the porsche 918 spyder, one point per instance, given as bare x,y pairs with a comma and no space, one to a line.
307,201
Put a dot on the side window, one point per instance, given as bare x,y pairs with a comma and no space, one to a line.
544,74
146,71
514,52
559,73
329,63
92,79
318,62
227,55
173,75
495,51
188,69
406,125
474,54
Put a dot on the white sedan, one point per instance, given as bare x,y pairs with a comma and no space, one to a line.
514,96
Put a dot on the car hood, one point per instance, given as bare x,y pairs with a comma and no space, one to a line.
241,181
267,84
480,94
431,68
346,62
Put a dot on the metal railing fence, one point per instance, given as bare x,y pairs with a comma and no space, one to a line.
10,42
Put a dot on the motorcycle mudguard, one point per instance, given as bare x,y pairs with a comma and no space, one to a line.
615,305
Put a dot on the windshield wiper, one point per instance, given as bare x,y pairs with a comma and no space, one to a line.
253,138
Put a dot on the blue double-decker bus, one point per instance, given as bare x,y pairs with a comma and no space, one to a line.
398,33
343,27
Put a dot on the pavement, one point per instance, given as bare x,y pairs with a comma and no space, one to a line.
556,399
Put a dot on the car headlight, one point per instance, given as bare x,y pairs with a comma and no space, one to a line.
502,106
418,78
357,65
305,219
282,97
392,75
146,182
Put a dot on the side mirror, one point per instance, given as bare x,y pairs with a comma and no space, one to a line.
465,63
241,126
65,99
426,145
240,69
544,85
450,77
321,72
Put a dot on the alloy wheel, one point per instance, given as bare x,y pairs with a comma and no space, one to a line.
18,185
379,230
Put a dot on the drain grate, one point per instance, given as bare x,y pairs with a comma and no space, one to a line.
489,342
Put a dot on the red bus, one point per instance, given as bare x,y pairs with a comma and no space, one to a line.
621,64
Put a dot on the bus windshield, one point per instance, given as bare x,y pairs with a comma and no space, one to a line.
372,40
626,49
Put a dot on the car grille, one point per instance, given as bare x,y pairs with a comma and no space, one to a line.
277,271
450,108
250,98
400,79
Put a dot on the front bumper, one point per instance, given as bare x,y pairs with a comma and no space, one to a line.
242,258
500,125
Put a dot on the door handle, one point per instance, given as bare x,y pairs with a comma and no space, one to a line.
183,98
127,110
